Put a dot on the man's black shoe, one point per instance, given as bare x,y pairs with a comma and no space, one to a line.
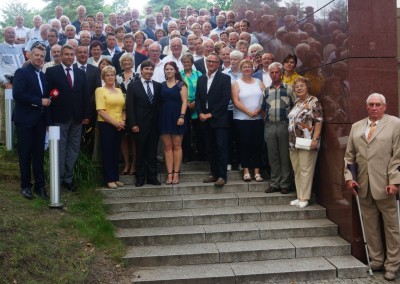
284,190
139,183
27,193
153,181
41,192
272,189
71,186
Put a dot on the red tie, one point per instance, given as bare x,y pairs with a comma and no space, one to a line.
69,79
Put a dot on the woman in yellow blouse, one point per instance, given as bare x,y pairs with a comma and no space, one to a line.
289,65
110,106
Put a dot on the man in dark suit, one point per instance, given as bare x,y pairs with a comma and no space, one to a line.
142,114
31,116
109,46
69,111
200,64
129,43
93,79
150,27
213,93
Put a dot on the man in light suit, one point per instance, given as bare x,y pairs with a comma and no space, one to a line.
31,116
213,93
142,102
70,110
374,145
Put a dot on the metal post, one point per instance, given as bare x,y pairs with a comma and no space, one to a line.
55,193
8,116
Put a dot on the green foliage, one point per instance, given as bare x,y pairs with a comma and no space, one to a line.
86,171
39,245
120,6
227,4
13,9
92,7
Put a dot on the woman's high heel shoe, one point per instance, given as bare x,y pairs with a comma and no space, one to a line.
176,180
169,178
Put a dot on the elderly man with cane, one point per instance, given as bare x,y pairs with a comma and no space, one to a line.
374,146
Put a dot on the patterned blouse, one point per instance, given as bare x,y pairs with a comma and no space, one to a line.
302,119
122,84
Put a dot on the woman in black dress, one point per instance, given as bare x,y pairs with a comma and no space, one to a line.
174,97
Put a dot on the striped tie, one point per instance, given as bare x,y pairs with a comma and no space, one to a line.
149,93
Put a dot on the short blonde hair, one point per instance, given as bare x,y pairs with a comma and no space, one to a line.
107,69
125,56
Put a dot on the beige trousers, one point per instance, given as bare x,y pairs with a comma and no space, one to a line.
303,163
370,212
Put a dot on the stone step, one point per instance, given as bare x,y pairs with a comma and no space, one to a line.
175,202
223,252
227,232
190,166
186,176
184,188
223,215
267,271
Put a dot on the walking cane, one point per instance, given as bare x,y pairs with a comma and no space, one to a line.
398,208
363,232
353,168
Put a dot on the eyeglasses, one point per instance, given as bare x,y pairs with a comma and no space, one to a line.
212,62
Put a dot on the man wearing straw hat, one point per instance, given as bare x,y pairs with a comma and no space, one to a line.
374,145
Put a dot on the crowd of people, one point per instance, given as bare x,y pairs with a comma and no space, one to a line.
240,115
244,89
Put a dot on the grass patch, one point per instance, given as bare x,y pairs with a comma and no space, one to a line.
42,245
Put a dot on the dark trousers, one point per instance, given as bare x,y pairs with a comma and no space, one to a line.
233,142
146,153
110,141
199,130
217,146
31,153
187,139
250,133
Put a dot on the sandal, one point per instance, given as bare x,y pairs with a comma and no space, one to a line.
169,178
247,177
176,180
258,177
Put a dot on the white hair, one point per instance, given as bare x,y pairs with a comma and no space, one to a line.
377,95
274,65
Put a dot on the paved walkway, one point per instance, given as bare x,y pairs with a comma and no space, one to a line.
377,278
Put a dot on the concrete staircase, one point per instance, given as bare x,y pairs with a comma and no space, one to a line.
198,233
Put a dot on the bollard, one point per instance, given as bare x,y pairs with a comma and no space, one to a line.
55,192
8,118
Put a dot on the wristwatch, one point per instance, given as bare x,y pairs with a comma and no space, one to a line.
316,139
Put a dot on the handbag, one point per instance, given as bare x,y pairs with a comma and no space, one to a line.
303,143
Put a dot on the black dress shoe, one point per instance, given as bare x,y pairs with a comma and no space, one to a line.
27,193
41,191
284,191
71,186
272,189
153,181
139,183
